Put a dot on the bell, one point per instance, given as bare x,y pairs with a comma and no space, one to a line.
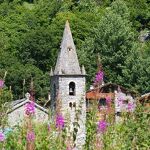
70,90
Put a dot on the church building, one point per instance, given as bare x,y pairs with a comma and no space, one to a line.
68,85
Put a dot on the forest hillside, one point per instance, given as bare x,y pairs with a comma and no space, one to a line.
31,32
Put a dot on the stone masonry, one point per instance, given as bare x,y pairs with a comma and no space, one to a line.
68,79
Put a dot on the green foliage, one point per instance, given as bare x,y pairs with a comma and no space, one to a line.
31,32
88,59
132,133
43,140
114,40
140,13
91,128
36,49
5,97
30,36
17,72
136,75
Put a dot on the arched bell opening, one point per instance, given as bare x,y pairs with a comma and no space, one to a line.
72,88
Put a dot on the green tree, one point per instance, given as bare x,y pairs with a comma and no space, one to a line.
140,13
18,72
137,73
114,40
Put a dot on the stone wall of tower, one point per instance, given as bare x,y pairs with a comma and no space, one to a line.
78,108
54,89
78,99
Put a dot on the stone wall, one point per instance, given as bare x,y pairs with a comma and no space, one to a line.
78,109
17,116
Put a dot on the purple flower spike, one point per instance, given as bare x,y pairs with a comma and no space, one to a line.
30,136
1,83
2,137
60,121
102,125
120,101
99,77
30,108
130,107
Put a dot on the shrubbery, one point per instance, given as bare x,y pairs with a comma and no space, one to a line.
132,132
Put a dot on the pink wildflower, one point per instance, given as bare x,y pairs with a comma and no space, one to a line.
99,77
30,136
130,107
120,101
1,83
108,100
102,125
30,108
60,121
2,137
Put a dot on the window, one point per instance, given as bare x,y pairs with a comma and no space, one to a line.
70,105
69,48
102,102
74,104
71,88
126,101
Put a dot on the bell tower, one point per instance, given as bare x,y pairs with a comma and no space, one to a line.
68,79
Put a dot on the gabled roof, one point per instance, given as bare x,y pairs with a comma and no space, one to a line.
13,103
67,61
145,97
146,94
19,103
115,86
103,90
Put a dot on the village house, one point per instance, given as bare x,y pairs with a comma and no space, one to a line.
17,116
145,101
114,93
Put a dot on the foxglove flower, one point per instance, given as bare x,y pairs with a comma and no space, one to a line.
30,136
60,121
30,108
102,125
2,137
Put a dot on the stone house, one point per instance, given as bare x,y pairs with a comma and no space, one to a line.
16,115
115,93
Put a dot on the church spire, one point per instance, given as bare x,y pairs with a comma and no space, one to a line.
67,61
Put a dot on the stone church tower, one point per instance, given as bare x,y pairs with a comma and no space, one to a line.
68,79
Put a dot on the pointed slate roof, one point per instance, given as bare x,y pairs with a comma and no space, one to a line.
67,61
